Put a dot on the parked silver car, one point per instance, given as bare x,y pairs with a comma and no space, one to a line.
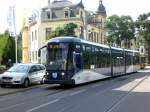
23,74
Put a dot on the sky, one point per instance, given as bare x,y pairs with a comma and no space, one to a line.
26,7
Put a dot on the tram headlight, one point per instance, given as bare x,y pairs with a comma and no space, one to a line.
46,73
62,74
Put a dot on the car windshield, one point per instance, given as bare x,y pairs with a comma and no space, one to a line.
19,68
57,56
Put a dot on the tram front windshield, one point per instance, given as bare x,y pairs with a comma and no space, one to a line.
57,56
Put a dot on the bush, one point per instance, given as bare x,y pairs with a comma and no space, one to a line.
2,68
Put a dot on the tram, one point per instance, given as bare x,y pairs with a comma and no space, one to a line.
71,61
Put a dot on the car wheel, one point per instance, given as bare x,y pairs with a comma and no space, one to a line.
42,81
26,83
3,86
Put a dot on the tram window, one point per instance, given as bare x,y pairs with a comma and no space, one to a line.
128,60
96,57
78,61
77,48
88,48
83,47
87,57
70,58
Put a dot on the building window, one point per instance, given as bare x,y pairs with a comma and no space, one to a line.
32,55
72,13
97,38
101,37
81,14
66,14
32,36
142,50
35,35
48,15
81,31
47,31
35,55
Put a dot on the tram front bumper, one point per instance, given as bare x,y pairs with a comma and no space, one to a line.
67,82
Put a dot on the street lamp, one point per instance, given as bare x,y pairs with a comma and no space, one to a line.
12,24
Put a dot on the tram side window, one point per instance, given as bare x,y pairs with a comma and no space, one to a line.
96,57
136,60
120,59
114,58
87,56
78,59
106,56
70,57
77,48
100,58
114,61
93,56
129,59
104,59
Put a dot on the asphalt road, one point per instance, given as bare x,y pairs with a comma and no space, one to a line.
129,93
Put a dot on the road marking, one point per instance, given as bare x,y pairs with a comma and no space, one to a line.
77,92
43,105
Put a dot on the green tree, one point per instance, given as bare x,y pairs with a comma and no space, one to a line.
9,51
19,42
113,29
57,32
7,48
143,27
69,29
3,42
120,28
66,30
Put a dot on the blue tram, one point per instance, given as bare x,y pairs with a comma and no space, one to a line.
71,60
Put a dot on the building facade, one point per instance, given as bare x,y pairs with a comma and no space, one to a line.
91,25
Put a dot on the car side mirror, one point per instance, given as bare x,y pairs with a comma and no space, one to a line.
31,71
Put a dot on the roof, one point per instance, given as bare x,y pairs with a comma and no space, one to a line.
60,3
101,9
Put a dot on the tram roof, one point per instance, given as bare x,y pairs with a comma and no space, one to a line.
75,40
131,50
79,40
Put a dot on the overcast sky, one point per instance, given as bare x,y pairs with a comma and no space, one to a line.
119,7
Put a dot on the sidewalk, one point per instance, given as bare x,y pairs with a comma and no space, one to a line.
6,91
138,100
12,90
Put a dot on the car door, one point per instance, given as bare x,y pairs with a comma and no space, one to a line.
33,74
41,72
